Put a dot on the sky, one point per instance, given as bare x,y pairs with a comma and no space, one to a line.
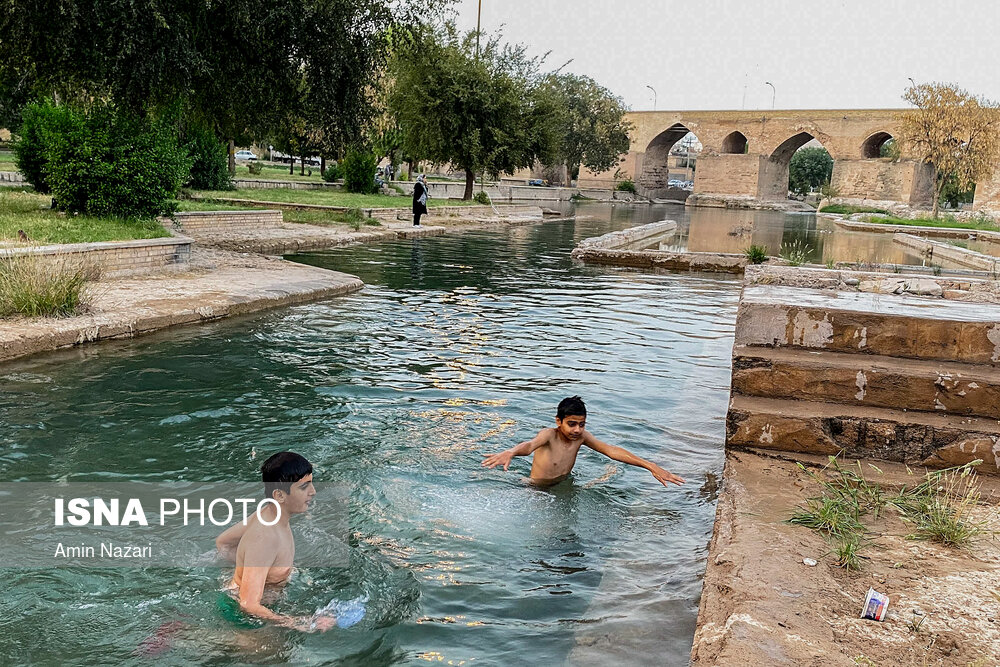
718,54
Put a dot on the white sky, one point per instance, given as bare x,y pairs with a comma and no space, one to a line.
698,54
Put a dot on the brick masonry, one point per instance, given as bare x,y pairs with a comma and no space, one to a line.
114,258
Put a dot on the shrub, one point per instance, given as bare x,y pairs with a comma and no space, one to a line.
796,253
39,121
756,254
482,198
333,173
110,163
625,186
209,161
31,287
359,172
255,168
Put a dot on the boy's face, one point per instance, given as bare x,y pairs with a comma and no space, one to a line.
571,426
299,495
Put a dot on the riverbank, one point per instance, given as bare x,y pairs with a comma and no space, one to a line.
218,284
232,271
764,603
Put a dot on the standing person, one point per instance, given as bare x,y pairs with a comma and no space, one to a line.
419,199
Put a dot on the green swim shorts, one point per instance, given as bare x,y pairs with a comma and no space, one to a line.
229,609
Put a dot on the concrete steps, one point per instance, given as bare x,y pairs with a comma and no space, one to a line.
860,380
915,438
899,377
860,322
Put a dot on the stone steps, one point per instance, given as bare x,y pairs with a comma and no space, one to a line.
861,380
868,323
914,438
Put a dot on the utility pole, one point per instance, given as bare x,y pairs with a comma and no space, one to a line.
479,15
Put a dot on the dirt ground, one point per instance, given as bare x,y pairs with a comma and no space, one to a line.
761,604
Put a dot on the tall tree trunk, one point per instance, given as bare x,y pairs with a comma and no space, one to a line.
291,165
938,189
322,164
232,157
302,166
470,181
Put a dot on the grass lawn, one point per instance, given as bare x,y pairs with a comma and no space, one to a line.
848,210
946,222
7,161
327,198
353,218
277,172
30,212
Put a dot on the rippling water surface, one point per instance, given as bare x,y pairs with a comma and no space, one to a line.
458,346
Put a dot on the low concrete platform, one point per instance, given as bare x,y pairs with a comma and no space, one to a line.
220,284
761,604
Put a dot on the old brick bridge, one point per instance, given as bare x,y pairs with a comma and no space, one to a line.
745,156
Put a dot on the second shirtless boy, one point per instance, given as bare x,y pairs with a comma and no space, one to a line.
555,449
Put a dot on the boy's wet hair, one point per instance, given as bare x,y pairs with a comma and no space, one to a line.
571,406
282,470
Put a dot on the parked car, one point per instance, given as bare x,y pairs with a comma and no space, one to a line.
538,182
245,155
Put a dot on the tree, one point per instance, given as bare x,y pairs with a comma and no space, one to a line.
588,123
955,132
475,112
809,169
239,67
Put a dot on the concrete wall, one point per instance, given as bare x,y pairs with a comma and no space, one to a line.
114,258
11,178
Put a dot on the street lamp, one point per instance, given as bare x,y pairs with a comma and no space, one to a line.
912,82
654,96
479,14
768,83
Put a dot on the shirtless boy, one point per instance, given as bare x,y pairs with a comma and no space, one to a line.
264,553
555,449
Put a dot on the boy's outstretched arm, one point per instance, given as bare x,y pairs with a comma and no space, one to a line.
521,449
625,456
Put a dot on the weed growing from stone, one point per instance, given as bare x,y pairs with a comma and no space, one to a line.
796,253
756,254
939,507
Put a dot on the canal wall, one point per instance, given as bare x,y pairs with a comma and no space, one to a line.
938,250
898,368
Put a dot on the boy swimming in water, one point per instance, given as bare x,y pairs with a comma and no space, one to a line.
264,553
555,449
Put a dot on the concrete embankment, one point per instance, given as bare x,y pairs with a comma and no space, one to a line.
219,284
896,370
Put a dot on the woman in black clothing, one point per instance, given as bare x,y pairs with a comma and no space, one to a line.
419,199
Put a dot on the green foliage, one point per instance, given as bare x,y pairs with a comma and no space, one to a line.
475,113
756,254
482,198
889,149
112,163
584,123
844,209
625,186
209,161
940,507
953,195
333,173
32,287
946,222
829,191
809,168
359,172
30,212
39,122
848,552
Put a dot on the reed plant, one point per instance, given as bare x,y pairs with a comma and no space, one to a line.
33,287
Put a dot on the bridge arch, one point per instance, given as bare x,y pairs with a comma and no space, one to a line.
872,146
772,181
734,142
655,172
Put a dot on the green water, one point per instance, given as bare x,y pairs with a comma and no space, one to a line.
458,346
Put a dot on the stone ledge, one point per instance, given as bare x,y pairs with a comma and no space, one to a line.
709,262
627,237
115,258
